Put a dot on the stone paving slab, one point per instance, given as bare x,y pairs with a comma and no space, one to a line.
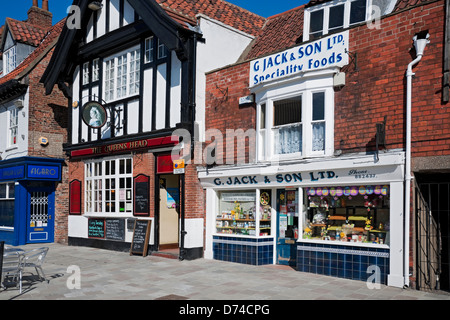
110,275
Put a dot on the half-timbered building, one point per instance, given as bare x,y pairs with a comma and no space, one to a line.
134,72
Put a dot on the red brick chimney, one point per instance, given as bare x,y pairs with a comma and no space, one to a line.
40,17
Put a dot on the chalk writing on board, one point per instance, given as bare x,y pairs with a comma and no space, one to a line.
115,229
141,232
96,228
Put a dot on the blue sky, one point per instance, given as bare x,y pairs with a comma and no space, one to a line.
19,8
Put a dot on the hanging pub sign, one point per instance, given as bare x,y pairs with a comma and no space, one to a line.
324,53
94,114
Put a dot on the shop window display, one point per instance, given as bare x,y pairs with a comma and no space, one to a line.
238,213
348,214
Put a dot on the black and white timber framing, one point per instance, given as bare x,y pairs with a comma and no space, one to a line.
165,99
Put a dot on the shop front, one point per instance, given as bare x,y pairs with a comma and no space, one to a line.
27,199
112,188
339,216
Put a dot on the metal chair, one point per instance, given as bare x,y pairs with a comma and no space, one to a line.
12,267
34,259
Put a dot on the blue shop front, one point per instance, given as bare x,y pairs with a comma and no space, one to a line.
27,199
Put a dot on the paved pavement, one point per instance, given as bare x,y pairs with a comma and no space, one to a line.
109,275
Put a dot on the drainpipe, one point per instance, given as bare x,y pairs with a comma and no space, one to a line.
419,45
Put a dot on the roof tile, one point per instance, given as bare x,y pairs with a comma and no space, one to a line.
25,32
220,10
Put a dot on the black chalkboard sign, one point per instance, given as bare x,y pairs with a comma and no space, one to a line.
142,195
96,228
115,229
141,234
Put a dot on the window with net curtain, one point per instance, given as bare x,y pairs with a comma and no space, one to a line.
287,116
290,128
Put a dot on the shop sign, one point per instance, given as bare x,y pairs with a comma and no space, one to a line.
43,172
178,166
338,176
324,53
125,146
164,164
12,173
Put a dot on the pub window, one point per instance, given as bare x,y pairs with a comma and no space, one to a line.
149,50
7,196
85,73
95,70
122,75
162,50
109,186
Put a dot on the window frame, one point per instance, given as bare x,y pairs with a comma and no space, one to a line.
10,199
10,60
13,110
111,78
96,195
265,141
326,17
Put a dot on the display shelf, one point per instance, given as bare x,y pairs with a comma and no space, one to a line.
356,219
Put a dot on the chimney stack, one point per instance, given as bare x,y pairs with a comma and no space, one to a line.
40,17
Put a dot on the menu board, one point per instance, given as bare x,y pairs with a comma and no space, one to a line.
141,195
141,234
96,228
115,229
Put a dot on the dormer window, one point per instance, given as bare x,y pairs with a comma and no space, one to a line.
10,60
333,16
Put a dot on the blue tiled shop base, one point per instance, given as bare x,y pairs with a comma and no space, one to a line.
357,263
243,250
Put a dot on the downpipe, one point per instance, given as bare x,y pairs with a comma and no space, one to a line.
419,45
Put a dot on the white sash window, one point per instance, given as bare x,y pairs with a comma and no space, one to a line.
122,74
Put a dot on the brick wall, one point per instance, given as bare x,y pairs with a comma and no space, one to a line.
48,118
223,90
377,87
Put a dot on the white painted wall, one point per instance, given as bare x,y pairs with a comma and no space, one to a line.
21,148
224,45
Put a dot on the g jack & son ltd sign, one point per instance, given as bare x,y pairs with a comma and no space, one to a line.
324,53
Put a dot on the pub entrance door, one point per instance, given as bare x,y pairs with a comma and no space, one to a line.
169,212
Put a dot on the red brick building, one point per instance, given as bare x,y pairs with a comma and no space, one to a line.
322,184
33,177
